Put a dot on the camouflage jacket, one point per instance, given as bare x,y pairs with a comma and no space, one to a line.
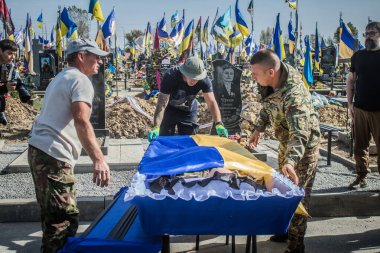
291,113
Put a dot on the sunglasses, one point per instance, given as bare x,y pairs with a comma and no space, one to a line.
370,34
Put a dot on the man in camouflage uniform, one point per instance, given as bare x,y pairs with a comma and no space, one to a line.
57,137
287,106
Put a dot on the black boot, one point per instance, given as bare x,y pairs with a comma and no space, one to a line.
279,238
298,249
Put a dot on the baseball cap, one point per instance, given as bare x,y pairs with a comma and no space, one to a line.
193,68
85,45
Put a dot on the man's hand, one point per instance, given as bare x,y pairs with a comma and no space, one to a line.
221,130
154,133
11,86
254,140
289,171
101,174
351,107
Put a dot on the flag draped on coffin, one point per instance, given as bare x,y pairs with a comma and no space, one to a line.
183,154
96,10
307,75
292,39
347,42
6,18
240,23
68,26
278,41
40,21
222,29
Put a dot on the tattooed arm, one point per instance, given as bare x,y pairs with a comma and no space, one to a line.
162,102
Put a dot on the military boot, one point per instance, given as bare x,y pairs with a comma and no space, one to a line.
300,248
359,181
279,238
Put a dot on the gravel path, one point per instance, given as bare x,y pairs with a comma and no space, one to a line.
329,179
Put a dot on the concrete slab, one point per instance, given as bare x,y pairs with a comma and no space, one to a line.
123,154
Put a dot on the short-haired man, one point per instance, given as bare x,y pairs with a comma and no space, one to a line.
58,134
363,89
287,106
177,106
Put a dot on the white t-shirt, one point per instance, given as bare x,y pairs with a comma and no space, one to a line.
53,131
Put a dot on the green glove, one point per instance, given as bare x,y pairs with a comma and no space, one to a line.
221,130
154,133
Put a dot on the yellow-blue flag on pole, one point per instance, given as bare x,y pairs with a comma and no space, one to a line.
292,39
40,21
162,33
278,41
292,4
346,43
96,10
307,75
241,24
68,26
222,29
109,27
58,38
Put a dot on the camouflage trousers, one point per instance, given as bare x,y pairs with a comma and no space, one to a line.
54,185
305,169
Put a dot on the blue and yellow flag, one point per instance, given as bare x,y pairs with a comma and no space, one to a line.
307,75
222,29
96,10
292,4
187,42
162,33
249,44
68,26
205,32
278,41
236,37
109,27
174,19
148,39
177,33
292,39
40,21
240,23
58,38
347,42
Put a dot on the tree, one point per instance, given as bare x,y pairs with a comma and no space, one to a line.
350,26
132,35
266,36
80,18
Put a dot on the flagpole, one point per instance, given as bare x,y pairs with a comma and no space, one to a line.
117,85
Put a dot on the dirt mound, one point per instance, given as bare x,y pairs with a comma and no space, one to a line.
124,122
20,119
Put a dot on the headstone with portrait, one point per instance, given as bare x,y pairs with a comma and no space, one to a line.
48,68
226,86
328,59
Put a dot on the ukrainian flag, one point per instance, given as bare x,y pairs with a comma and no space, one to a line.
68,26
222,29
187,38
183,154
58,38
241,24
278,41
347,42
148,39
162,34
109,27
177,33
40,21
174,19
236,37
249,44
292,4
205,32
96,10
307,75
292,39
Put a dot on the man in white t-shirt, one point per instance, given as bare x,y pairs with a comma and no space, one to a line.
58,134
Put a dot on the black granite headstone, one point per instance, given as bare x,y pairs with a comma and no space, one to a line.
328,59
98,116
48,68
226,86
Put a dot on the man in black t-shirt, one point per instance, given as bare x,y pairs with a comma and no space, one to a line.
177,106
363,89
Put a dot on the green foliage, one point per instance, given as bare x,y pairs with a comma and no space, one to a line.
82,20
133,34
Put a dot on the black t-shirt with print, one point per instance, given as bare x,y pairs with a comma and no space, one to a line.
182,96
366,65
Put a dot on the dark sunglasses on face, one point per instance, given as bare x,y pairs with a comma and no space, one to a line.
371,34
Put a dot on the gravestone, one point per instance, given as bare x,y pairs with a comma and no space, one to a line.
48,62
328,59
226,86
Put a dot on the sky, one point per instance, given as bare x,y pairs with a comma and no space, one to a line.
135,14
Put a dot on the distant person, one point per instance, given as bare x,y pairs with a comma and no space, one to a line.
363,89
288,108
57,137
177,106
